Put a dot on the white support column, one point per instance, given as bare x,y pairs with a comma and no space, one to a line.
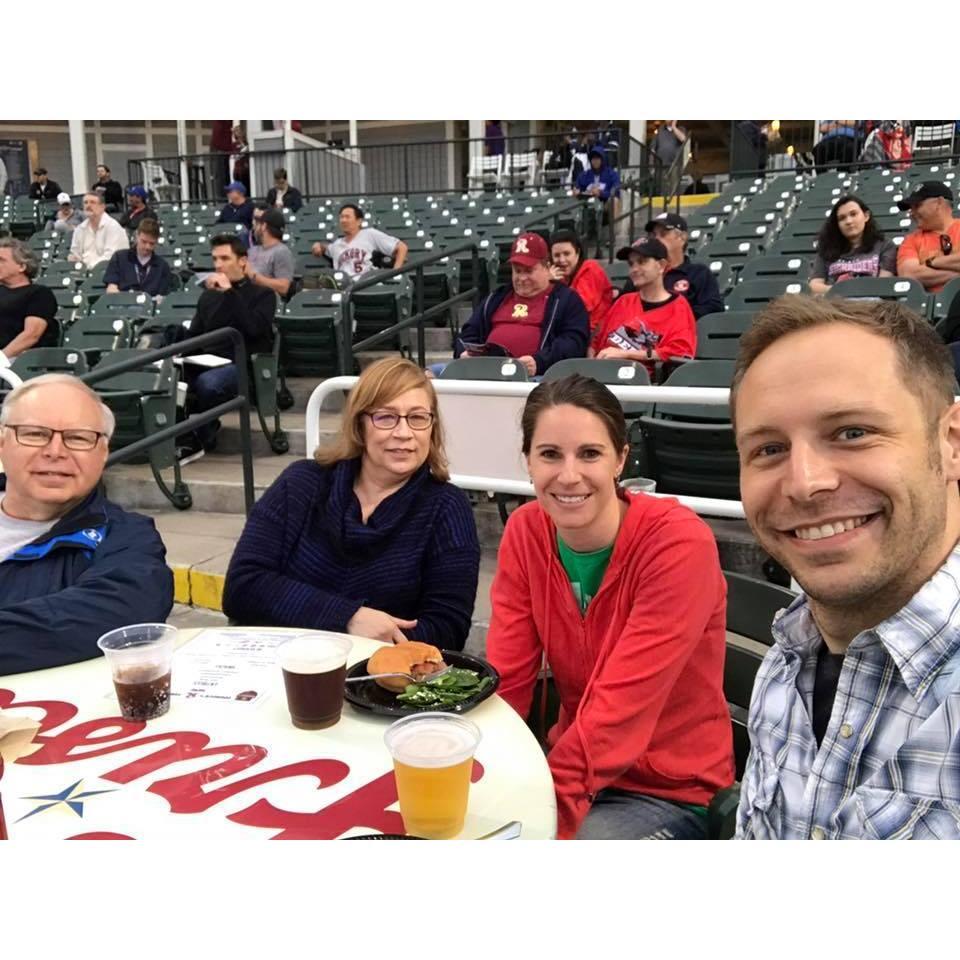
638,130
449,130
476,129
78,155
254,127
182,150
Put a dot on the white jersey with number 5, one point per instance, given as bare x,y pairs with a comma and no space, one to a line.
353,257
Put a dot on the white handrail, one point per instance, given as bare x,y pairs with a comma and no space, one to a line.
6,373
712,396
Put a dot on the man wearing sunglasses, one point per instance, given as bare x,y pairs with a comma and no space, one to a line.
931,253
73,565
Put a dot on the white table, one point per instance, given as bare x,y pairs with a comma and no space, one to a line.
237,769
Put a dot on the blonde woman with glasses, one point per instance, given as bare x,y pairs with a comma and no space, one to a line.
369,537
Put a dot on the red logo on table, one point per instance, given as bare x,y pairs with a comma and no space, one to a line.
364,808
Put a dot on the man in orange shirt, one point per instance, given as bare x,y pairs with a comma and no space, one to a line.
931,254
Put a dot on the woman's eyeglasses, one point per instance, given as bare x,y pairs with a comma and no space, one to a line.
385,420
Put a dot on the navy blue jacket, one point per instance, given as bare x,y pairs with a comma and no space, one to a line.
609,178
565,332
152,279
239,214
306,559
97,569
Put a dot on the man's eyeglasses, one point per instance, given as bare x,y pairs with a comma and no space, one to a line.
30,436
385,420
946,245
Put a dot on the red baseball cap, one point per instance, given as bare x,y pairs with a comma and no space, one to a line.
528,250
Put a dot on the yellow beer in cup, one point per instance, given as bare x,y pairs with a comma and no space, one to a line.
432,762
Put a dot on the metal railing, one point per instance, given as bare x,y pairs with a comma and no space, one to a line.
428,166
414,265
509,477
241,403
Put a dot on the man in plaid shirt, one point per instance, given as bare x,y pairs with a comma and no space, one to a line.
849,443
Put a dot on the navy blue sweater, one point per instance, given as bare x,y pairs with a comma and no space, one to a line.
305,558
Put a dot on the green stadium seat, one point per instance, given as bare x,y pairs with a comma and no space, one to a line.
95,336
484,368
41,360
901,289
755,294
718,334
775,266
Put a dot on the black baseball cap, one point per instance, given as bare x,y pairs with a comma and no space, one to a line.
672,220
926,190
272,217
644,247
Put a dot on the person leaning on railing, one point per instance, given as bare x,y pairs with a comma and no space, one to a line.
369,537
623,597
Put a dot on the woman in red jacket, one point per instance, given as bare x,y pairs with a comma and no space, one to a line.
622,595
586,277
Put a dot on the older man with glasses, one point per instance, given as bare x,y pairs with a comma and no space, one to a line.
73,565
931,253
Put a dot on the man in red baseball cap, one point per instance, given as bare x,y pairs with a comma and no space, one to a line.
532,319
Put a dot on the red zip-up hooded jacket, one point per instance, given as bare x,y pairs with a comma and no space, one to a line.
640,676
596,292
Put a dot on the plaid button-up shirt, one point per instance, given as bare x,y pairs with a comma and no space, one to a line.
889,763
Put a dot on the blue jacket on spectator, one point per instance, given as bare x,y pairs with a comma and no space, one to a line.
565,332
609,179
97,569
307,559
242,213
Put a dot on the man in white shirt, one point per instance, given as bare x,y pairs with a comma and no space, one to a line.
99,237
353,252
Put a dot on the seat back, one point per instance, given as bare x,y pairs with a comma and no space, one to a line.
698,373
900,289
484,368
718,334
96,335
41,360
753,295
624,373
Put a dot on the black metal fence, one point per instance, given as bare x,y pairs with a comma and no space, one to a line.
512,162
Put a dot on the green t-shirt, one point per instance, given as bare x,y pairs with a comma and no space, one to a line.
585,571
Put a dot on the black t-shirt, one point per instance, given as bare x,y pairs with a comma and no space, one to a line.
825,683
18,303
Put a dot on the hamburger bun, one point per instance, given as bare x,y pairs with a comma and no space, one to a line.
417,659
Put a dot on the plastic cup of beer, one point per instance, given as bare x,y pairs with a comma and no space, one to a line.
140,656
314,669
432,762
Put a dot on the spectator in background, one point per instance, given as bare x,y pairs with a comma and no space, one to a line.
888,144
353,253
851,245
28,311
270,263
368,537
137,209
237,209
695,281
43,188
600,180
585,277
838,144
138,268
669,141
533,320
66,217
241,162
931,253
281,194
757,136
651,324
221,143
230,300
109,189
73,565
99,237
493,140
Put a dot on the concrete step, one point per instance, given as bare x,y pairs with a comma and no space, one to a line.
291,422
302,387
435,339
215,482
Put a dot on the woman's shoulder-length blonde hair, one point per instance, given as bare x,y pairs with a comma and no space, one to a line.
381,383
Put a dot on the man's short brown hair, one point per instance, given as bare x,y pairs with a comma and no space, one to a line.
149,228
926,364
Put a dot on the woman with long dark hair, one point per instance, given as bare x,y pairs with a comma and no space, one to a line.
585,277
623,596
851,245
